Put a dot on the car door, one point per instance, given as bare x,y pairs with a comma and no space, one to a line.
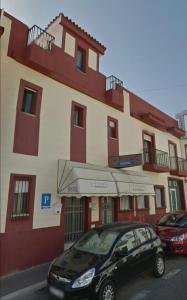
146,248
127,265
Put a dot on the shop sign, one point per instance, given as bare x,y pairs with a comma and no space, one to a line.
125,161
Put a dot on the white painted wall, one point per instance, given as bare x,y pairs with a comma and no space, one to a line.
92,59
55,133
69,44
56,30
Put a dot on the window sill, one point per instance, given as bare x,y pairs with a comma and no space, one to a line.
80,127
28,114
143,209
126,210
160,208
81,71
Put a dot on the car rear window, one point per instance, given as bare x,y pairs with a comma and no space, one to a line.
173,221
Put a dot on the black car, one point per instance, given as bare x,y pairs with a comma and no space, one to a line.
104,258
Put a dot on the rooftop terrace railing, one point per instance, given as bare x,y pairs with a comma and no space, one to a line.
40,37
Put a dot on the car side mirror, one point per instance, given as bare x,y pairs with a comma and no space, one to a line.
122,253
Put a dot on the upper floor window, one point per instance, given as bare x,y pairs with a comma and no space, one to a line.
112,127
21,198
78,116
185,149
142,202
159,197
148,146
29,101
81,59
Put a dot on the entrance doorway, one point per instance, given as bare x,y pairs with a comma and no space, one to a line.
107,210
175,195
74,212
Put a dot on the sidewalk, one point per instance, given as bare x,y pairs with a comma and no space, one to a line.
23,282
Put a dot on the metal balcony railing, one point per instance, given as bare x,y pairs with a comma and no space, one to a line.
156,157
40,37
114,83
178,163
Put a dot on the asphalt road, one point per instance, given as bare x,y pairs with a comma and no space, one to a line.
173,286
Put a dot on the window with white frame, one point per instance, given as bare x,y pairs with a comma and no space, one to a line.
21,199
126,203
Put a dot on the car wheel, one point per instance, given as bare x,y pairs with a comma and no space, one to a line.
159,266
107,291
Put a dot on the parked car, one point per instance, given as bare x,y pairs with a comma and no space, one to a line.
103,259
172,229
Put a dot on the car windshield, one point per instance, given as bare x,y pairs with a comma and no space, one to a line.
97,241
174,221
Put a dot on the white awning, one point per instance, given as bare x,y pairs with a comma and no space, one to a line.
78,179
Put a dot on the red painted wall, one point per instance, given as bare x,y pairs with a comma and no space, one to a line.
26,248
78,137
26,135
113,143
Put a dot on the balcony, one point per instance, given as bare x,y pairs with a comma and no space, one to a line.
40,48
114,92
178,166
155,161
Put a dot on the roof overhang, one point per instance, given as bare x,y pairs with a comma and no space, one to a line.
78,180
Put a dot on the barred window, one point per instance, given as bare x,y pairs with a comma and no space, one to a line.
142,202
126,203
159,197
21,199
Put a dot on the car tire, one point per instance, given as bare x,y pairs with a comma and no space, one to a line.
107,291
159,266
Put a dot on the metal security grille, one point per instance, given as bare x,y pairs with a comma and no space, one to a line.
21,199
74,218
108,210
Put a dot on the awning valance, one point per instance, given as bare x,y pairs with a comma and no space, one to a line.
78,179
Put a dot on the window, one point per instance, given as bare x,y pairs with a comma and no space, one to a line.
112,129
127,240
78,116
80,60
126,203
29,101
159,197
142,202
185,149
21,198
148,145
143,235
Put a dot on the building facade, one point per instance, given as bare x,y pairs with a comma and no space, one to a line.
77,149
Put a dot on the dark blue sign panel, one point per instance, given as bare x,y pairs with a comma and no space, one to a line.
46,200
125,161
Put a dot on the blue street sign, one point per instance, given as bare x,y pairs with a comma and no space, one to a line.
46,200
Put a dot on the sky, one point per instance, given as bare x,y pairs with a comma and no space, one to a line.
146,41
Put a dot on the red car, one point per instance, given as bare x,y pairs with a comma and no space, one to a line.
172,230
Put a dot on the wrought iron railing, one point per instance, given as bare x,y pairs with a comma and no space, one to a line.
114,83
178,163
40,37
156,157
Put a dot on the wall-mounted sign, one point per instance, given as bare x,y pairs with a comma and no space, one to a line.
46,200
125,161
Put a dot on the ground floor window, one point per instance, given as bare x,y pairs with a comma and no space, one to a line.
159,196
21,198
142,202
126,203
